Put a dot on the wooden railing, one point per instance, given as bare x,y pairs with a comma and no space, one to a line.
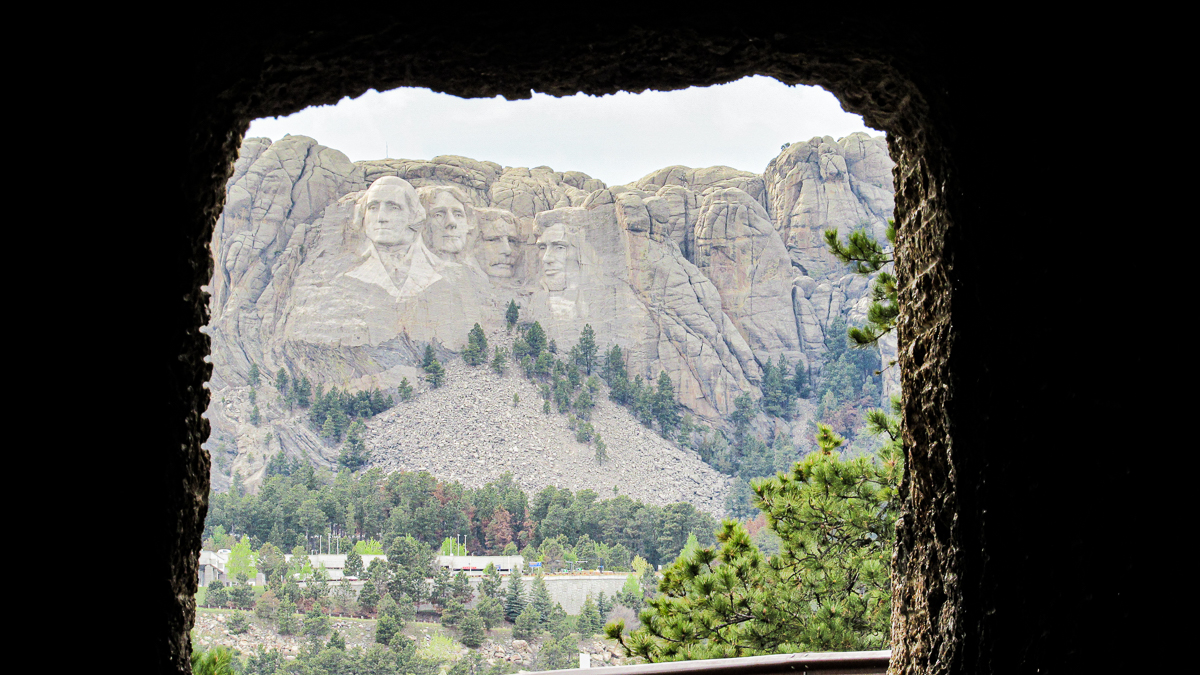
826,663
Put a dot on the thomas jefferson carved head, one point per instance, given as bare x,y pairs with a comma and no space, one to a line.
496,251
450,218
390,212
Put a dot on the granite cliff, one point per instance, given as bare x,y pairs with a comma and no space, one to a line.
343,271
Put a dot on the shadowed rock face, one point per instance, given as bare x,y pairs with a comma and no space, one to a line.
343,271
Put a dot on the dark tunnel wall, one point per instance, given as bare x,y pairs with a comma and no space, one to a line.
994,568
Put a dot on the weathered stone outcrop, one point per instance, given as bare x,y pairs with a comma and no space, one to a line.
739,250
824,184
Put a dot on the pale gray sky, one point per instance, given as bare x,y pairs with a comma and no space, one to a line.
616,138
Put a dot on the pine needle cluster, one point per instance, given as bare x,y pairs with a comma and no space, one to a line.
869,257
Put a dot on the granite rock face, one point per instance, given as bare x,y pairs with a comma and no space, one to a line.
344,271
825,183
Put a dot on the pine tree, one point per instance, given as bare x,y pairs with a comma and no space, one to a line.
239,623
584,432
642,399
472,630
215,595
316,624
584,404
799,381
543,365
614,366
540,600
405,390
476,351
520,349
742,414
869,257
285,618
385,628
354,452
500,360
255,416
491,610
460,587
604,605
336,641
590,622
783,452
527,625
255,378
489,585
340,422
281,381
665,406
535,337
303,391
826,590
435,374
777,394
368,597
514,597
453,613
586,357
601,451
512,314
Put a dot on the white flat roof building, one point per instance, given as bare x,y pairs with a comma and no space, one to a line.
474,565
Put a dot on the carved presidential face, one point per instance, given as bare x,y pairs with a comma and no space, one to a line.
497,249
390,213
449,223
557,254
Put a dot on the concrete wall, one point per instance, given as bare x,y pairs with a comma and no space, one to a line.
570,590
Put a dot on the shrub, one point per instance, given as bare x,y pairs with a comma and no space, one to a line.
267,606
238,623
558,654
215,595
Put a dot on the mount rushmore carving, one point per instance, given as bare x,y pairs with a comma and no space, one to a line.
344,271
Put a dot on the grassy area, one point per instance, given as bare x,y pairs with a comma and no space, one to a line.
441,647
